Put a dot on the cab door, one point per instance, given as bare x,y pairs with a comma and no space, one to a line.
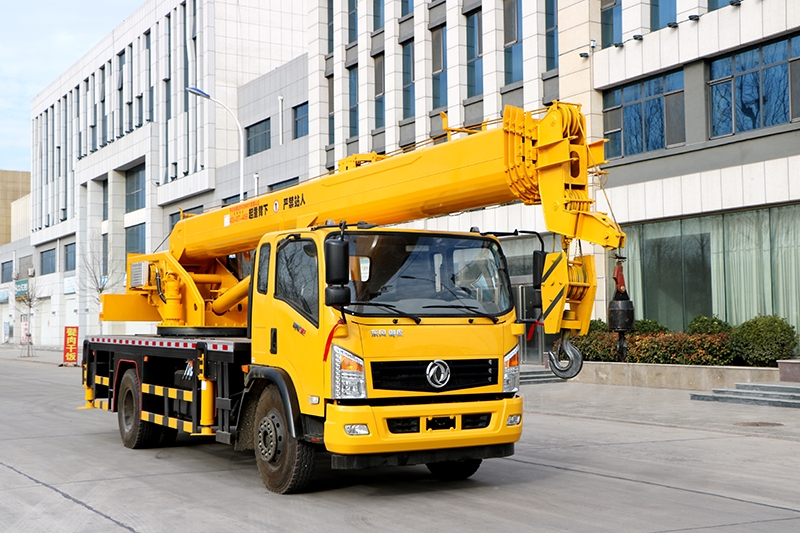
295,341
260,305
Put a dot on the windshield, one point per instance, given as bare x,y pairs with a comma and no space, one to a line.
427,275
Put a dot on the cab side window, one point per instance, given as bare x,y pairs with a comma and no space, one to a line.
296,277
263,269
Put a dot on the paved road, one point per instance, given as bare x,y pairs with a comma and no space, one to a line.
592,458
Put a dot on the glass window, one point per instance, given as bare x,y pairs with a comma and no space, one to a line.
512,30
611,22
377,14
297,277
474,54
48,261
174,218
7,272
406,7
352,20
439,41
263,269
283,184
104,265
330,26
644,116
551,33
380,91
105,199
756,88
352,75
300,114
331,122
408,80
716,4
135,188
69,257
258,137
135,239
662,12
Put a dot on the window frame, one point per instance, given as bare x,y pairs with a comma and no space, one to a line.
474,53
135,188
439,66
47,261
257,135
409,104
512,37
380,90
283,247
352,99
300,120
70,257
610,18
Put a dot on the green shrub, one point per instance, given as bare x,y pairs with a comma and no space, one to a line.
704,324
680,349
598,325
597,346
646,326
763,340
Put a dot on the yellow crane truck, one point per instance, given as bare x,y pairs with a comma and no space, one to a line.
284,329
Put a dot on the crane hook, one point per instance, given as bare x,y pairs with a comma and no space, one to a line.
574,358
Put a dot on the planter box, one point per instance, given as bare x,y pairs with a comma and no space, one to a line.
685,377
789,370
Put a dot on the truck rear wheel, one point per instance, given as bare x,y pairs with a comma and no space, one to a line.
454,470
135,432
284,462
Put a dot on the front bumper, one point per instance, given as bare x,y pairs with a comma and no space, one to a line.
382,440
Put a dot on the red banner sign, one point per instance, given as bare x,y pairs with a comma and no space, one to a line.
71,345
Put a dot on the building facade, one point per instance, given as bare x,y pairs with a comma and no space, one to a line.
700,101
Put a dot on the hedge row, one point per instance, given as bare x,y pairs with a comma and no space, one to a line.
709,341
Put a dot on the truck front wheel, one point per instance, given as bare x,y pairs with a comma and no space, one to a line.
284,462
135,432
454,470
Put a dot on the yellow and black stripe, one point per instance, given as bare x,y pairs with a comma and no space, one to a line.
162,420
167,392
101,404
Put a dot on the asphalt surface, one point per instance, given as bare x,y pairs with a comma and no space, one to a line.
592,458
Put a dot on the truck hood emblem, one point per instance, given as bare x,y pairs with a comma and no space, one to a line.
438,373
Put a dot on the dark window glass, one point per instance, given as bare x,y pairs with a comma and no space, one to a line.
512,20
105,200
610,22
662,12
380,91
408,80
300,120
135,239
263,269
330,26
406,7
474,54
377,14
439,41
296,277
7,272
352,20
69,257
258,137
644,116
331,123
174,218
550,33
756,88
283,184
352,75
135,188
48,261
715,4
104,266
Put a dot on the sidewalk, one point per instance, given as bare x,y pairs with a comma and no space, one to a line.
40,354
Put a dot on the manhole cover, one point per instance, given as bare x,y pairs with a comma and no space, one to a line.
759,424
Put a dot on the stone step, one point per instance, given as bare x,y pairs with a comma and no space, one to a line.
536,376
728,398
759,394
789,388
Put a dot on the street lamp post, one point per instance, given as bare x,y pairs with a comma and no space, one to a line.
202,94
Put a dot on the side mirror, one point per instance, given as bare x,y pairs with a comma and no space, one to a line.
337,261
337,295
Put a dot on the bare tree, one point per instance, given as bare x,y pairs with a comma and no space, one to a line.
99,275
26,303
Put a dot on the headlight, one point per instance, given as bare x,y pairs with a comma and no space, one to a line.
347,375
511,371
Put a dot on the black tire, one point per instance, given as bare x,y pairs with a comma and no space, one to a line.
454,470
284,462
135,432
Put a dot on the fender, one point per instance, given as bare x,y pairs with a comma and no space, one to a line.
280,379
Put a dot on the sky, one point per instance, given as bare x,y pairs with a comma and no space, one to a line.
39,40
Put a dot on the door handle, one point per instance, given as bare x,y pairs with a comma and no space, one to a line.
273,341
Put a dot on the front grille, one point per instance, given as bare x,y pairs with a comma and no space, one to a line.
411,375
476,421
403,425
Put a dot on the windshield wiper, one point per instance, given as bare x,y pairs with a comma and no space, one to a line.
471,308
390,307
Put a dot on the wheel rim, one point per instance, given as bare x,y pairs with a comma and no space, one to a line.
271,438
127,410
